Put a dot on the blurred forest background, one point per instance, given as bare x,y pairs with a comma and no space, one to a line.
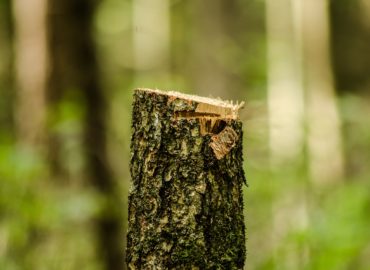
67,71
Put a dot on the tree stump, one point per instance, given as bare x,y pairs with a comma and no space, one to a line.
186,203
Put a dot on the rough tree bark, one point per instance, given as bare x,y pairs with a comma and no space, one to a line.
186,203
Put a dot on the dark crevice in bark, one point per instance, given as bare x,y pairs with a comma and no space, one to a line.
187,114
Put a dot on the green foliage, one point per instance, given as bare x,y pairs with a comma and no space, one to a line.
339,232
41,224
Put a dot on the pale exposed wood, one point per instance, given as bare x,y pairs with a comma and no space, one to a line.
221,108
212,113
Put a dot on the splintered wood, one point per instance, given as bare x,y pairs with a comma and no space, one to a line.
213,116
223,142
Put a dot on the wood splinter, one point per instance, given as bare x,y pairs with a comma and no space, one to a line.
223,142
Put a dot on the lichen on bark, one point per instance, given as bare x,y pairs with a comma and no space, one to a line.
185,204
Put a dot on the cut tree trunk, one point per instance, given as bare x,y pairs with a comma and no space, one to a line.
186,203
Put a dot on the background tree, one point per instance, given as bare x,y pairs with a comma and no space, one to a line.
325,157
6,54
286,106
30,49
151,39
240,50
75,66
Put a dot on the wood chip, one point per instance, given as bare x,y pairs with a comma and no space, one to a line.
223,142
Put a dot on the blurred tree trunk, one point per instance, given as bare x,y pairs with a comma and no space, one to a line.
296,38
285,99
285,85
365,8
350,22
30,69
207,68
6,67
74,65
324,124
151,38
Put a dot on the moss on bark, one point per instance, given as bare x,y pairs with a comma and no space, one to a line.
185,204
